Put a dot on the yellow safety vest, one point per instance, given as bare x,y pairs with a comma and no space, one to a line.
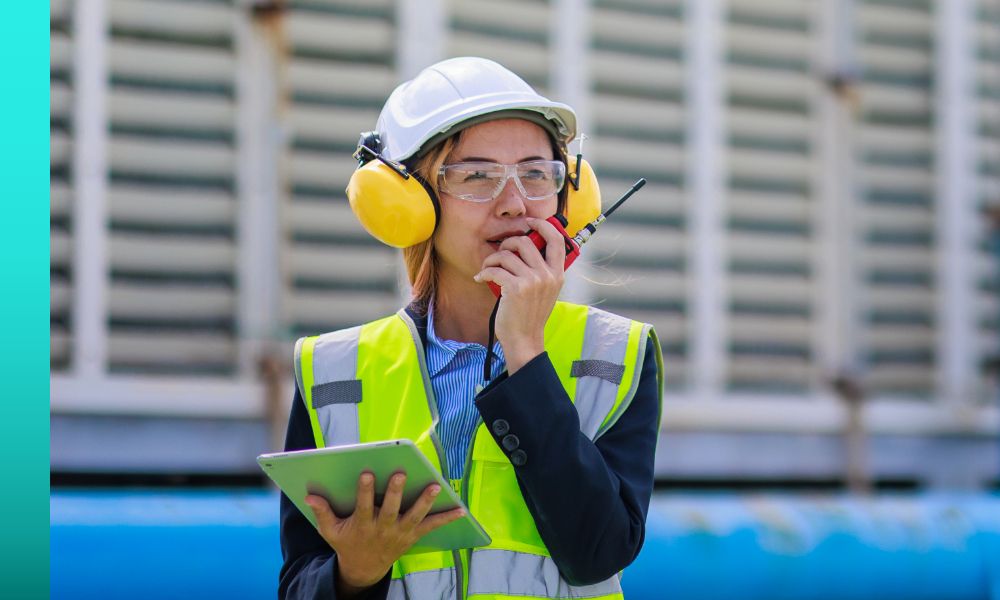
370,383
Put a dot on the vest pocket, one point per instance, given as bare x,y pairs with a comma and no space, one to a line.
495,499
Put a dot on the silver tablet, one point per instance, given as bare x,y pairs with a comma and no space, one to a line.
333,474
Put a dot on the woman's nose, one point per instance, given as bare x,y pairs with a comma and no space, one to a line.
510,202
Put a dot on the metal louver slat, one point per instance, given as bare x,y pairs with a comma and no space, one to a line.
895,151
986,191
169,63
639,258
484,28
527,59
171,155
770,206
60,182
338,275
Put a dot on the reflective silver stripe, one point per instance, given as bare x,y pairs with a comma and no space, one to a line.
335,358
424,585
298,366
605,339
520,574
647,333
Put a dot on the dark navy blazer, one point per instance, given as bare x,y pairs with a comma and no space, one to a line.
588,499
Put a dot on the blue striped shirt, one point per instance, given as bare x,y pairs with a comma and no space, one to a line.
456,369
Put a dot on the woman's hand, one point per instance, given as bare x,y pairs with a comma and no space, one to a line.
372,538
531,285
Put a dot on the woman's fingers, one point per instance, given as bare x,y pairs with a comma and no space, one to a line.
423,505
434,521
497,275
364,507
509,261
389,511
326,521
555,249
526,250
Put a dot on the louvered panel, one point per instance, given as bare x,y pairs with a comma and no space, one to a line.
902,379
774,11
60,182
769,204
612,27
638,130
987,194
637,117
172,162
895,223
752,288
487,28
642,287
161,255
757,247
888,337
785,126
793,170
339,34
138,156
748,205
745,329
322,173
780,373
882,216
663,203
774,86
338,275
636,243
645,77
364,266
317,79
172,302
318,310
321,125
166,18
174,112
324,219
172,208
618,156
166,63
145,349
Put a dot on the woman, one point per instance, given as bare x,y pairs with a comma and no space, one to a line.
551,442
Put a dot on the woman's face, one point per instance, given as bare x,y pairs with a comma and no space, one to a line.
471,231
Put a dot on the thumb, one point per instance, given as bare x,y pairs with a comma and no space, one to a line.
326,521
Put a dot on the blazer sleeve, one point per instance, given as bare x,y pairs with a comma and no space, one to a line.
589,499
309,569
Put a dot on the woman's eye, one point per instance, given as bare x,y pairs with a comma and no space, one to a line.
475,176
535,174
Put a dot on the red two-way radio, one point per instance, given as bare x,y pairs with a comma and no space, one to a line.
574,243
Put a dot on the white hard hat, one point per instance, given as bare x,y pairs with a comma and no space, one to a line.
458,90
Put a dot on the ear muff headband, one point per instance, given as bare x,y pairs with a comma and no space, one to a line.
403,212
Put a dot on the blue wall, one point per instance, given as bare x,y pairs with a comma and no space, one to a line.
198,544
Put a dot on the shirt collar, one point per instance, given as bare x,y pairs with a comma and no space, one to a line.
441,352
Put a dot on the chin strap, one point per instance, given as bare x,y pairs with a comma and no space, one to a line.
488,363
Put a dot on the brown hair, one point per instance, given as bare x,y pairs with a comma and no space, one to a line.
420,259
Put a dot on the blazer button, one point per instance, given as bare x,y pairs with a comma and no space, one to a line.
501,427
518,458
510,442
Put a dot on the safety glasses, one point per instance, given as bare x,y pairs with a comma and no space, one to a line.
483,181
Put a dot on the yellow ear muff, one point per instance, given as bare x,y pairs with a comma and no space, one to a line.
583,205
396,211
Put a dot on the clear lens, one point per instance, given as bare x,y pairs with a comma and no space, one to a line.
483,181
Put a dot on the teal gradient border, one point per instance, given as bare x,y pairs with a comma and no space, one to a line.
24,298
